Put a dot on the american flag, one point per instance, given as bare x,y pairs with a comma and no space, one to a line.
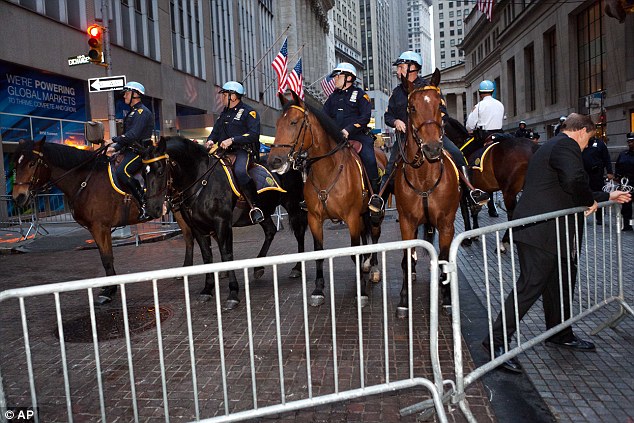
279,66
486,7
296,79
328,85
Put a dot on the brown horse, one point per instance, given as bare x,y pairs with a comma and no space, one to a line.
83,178
502,168
426,185
336,187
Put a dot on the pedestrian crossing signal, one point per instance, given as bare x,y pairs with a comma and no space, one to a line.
95,42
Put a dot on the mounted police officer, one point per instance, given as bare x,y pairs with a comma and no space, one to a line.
351,109
522,131
237,130
408,65
137,133
558,126
488,114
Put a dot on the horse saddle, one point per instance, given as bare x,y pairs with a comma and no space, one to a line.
264,180
118,185
478,156
357,147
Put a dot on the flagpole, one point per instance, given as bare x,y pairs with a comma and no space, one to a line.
320,78
267,52
291,58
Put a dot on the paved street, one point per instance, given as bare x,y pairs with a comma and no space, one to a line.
561,385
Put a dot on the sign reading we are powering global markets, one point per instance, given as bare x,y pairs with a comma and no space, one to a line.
26,91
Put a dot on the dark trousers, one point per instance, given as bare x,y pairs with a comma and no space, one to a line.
368,157
130,165
626,211
539,276
454,151
240,166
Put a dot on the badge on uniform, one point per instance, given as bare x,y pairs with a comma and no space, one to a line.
253,114
353,97
239,114
140,111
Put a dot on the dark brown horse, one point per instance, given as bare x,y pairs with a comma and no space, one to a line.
336,188
426,183
502,168
83,178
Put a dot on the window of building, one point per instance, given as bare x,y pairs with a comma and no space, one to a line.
453,53
512,93
442,43
550,66
441,25
529,77
590,50
440,5
222,41
442,54
451,14
442,33
441,16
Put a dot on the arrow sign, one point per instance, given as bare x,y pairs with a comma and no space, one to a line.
106,83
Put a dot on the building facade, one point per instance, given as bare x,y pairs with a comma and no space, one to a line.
419,31
449,31
549,59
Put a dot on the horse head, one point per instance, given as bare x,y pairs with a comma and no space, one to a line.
156,175
292,139
425,130
31,170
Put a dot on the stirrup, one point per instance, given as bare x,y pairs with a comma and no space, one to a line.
143,216
256,215
376,204
479,197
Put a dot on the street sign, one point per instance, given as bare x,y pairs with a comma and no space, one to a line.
106,83
80,59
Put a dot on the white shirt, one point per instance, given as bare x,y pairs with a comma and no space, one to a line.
487,114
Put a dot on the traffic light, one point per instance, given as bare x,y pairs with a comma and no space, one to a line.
95,32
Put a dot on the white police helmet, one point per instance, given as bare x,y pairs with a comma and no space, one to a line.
486,86
134,86
409,57
232,87
344,67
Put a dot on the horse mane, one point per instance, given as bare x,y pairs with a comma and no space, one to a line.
63,156
184,149
326,122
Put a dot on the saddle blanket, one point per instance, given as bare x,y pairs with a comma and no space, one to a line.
478,157
112,176
263,178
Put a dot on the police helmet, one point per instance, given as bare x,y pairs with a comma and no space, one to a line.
561,119
630,136
232,87
522,122
345,68
409,57
134,86
486,86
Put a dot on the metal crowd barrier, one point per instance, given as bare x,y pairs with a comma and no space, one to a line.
275,366
599,283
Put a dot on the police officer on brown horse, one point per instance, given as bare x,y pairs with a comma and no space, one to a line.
237,130
137,133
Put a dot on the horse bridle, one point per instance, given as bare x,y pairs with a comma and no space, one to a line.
34,177
168,184
420,156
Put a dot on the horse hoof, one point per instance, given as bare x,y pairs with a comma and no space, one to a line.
204,298
366,266
103,300
231,304
401,312
467,242
363,301
295,274
375,276
316,300
258,272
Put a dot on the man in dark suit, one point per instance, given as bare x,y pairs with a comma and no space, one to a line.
555,180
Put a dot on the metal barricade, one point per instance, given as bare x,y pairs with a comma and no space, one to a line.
200,364
599,282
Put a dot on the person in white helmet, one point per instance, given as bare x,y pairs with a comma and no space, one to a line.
523,131
562,119
237,129
488,114
137,133
351,109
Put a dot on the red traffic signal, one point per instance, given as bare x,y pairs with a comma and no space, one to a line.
95,42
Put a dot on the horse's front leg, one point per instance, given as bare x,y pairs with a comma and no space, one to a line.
224,235
269,234
446,232
466,217
103,239
408,231
317,229
204,243
370,264
299,223
187,237
356,227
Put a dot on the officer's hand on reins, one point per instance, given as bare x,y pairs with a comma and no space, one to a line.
399,125
344,133
226,143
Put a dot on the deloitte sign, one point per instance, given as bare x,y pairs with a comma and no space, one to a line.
78,60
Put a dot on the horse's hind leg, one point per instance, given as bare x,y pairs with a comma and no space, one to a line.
375,233
356,227
317,296
103,239
225,244
269,233
299,223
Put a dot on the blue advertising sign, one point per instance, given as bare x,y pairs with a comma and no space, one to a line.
27,91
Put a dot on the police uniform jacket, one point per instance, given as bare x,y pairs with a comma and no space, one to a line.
397,105
137,127
523,133
242,123
555,180
351,109
625,165
596,157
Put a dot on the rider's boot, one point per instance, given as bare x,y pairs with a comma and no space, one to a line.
376,202
138,193
477,195
250,194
